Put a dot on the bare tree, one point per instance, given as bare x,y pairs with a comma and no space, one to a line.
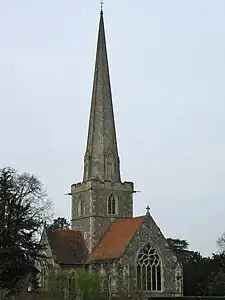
221,243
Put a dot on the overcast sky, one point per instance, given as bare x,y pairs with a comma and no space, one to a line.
167,65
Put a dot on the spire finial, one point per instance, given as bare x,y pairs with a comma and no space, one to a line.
148,209
101,5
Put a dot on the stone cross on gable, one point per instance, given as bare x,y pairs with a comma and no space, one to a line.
148,209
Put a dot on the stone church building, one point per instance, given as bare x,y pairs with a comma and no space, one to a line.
104,233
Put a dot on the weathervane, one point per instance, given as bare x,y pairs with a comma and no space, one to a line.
101,4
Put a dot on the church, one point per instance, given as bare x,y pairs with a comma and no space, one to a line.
104,233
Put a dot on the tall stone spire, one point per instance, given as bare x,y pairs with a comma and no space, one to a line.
101,161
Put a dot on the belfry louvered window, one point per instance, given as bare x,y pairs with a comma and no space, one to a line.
111,205
149,270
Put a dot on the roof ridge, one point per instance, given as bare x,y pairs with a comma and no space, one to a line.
142,216
126,219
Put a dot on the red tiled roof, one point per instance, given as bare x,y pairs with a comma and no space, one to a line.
116,239
67,245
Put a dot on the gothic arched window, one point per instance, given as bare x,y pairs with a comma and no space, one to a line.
81,207
149,269
111,205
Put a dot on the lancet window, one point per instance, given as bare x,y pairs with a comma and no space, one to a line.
111,205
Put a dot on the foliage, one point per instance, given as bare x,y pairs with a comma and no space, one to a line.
177,245
203,276
195,274
57,281
216,285
88,284
180,248
24,209
216,278
77,282
61,223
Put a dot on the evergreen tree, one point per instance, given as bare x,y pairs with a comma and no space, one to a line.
60,223
23,212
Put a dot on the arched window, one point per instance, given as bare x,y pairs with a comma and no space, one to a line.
71,283
81,207
111,205
149,270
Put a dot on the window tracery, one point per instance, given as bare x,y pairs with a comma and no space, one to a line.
149,269
111,205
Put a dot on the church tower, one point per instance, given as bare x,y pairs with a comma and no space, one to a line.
101,197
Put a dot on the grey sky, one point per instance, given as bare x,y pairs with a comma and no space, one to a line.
167,65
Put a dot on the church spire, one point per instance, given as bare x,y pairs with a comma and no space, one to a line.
101,160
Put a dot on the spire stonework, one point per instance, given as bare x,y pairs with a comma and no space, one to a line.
101,196
101,159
